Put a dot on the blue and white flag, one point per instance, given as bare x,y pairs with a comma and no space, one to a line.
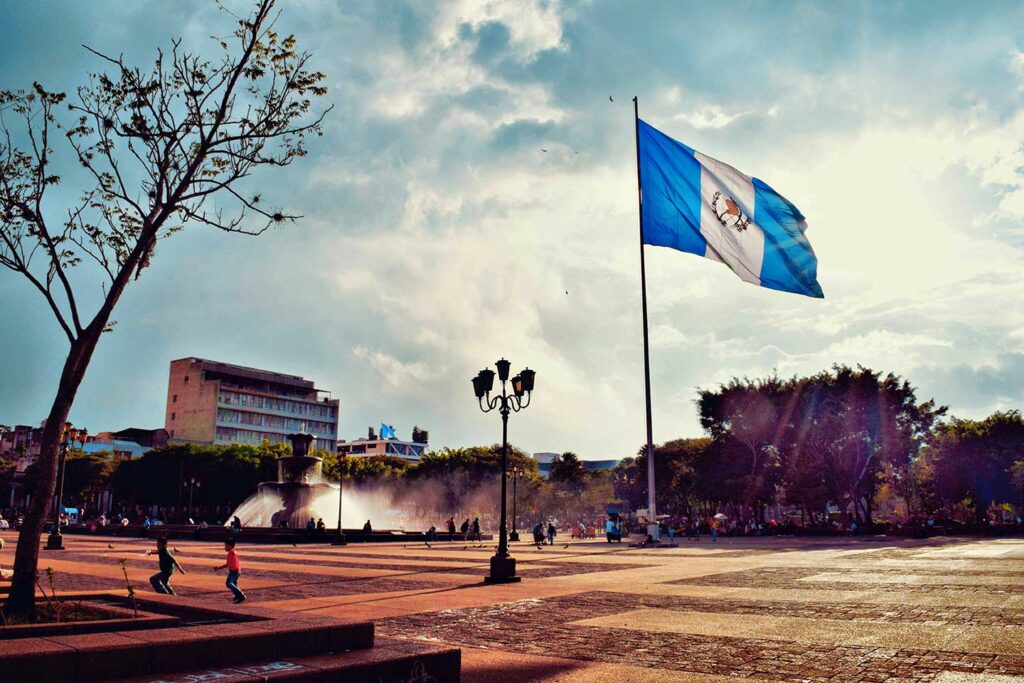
697,204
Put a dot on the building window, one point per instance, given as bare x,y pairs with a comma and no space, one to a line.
186,380
174,399
172,432
173,415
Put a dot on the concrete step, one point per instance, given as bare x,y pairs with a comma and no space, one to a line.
389,660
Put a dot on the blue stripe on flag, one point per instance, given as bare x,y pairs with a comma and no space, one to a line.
789,263
670,177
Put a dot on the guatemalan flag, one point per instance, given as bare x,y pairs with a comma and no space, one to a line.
697,204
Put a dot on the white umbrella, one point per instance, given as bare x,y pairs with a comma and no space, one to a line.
721,516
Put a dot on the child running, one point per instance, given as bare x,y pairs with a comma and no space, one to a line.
234,567
161,581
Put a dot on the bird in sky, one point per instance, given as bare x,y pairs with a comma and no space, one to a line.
542,149
610,99
567,292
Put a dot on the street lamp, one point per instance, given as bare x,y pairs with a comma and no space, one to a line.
339,538
192,483
69,437
503,565
516,473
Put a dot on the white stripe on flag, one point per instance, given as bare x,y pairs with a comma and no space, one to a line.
741,250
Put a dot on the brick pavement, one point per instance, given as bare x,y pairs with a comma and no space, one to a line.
435,594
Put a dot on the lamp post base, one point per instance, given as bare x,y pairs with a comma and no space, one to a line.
503,570
55,542
339,539
514,536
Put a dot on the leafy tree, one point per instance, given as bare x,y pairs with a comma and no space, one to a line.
85,474
748,421
365,469
569,473
974,460
156,145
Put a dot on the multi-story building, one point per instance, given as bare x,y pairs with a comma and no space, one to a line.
210,402
374,445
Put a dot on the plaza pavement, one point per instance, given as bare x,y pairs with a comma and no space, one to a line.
772,609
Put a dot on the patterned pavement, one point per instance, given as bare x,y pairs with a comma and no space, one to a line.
783,609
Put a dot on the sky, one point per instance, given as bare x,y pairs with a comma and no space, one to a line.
437,237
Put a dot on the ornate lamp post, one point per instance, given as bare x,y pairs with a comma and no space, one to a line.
503,565
339,538
55,541
192,483
516,473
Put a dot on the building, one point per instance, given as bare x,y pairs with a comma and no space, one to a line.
374,445
127,443
20,446
544,461
209,402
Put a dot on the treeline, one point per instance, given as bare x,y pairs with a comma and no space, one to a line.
849,440
216,479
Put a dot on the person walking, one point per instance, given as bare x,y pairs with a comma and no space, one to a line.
367,528
714,529
451,528
161,581
234,567
465,530
475,534
552,532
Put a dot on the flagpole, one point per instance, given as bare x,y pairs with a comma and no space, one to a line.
651,511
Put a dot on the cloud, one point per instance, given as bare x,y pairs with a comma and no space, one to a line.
438,237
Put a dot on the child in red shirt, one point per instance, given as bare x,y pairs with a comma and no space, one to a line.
234,567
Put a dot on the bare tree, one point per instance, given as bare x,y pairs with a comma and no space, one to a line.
162,149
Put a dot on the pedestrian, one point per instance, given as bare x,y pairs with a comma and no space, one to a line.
451,528
582,529
611,532
431,533
475,534
714,529
367,528
538,534
1,548
551,533
234,567
310,527
321,528
465,530
161,581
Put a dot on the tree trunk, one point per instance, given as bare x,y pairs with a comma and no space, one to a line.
21,600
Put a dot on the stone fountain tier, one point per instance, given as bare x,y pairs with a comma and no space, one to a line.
300,469
298,494
292,502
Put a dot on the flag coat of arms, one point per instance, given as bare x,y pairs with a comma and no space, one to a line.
700,205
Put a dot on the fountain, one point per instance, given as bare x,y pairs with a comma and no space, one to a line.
298,494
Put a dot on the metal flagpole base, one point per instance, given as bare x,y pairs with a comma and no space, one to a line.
503,570
55,542
339,539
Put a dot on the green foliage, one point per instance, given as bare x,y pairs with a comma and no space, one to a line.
85,474
975,460
830,437
227,474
